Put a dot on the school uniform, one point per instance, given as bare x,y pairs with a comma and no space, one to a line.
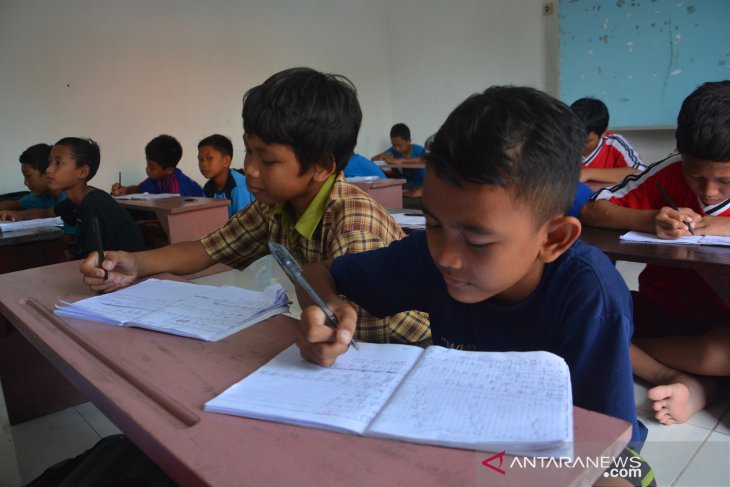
613,151
341,219
44,201
177,183
362,166
581,311
234,190
681,293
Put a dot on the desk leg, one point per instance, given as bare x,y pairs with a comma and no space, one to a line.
31,385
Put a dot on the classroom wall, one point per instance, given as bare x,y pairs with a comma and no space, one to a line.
124,72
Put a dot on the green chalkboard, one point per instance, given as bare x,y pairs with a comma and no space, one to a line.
642,57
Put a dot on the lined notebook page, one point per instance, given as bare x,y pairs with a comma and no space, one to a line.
211,312
344,397
639,237
27,224
131,303
514,401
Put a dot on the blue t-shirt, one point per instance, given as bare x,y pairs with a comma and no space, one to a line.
45,201
582,194
362,166
581,311
234,190
32,201
414,176
177,183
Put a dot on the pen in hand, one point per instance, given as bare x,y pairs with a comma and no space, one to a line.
100,249
284,258
672,205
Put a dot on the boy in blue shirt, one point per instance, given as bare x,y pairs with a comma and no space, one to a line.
215,154
163,153
500,266
33,164
403,151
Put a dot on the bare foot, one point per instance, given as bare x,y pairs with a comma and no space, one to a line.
679,400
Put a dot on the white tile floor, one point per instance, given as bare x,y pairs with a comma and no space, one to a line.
693,454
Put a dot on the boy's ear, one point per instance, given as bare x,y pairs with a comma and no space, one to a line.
83,171
324,169
227,160
562,231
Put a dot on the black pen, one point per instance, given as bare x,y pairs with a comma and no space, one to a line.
672,205
99,247
284,258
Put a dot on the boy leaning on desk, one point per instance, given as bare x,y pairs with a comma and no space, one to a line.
682,334
300,128
500,266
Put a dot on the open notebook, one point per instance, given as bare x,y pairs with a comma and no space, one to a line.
181,308
26,224
520,402
147,196
638,237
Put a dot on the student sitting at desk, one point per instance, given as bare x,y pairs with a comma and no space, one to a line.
680,321
215,154
403,151
359,165
500,266
607,156
72,163
300,127
163,153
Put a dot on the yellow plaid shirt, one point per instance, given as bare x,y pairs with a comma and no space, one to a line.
346,220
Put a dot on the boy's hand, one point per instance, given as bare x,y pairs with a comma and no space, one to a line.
118,189
712,225
320,343
389,158
670,223
121,269
7,216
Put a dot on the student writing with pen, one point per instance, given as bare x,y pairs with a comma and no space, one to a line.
300,128
682,327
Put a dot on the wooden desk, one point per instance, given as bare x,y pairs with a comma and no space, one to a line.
198,448
33,247
184,218
712,263
386,191
409,165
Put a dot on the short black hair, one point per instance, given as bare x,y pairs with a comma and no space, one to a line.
316,114
85,152
703,124
512,137
400,130
219,142
36,156
165,150
593,113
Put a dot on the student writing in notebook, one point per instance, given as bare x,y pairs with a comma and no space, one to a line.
300,127
163,153
499,266
402,151
607,156
215,154
72,163
682,333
